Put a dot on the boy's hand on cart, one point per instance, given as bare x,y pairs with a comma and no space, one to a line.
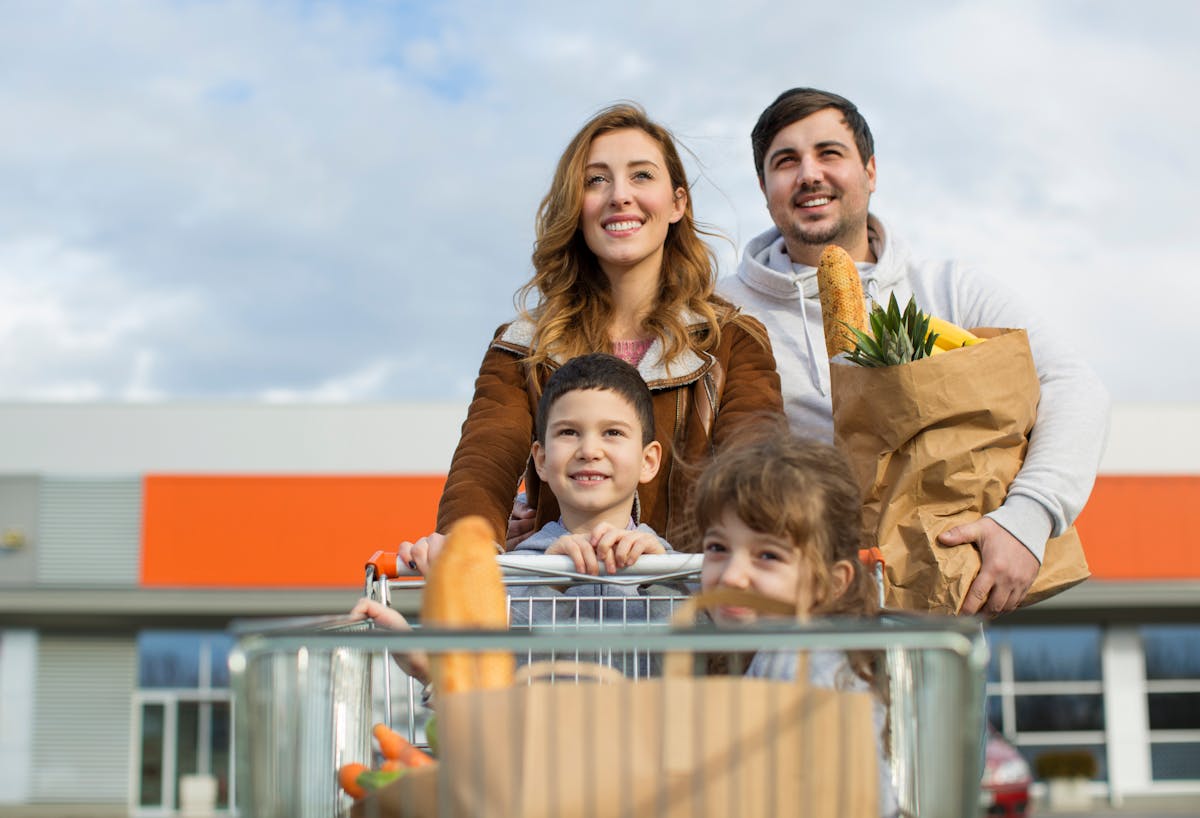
581,551
1007,567
520,524
418,555
620,547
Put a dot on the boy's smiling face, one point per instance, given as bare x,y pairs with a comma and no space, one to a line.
593,458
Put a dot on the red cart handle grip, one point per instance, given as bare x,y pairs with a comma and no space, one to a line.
385,563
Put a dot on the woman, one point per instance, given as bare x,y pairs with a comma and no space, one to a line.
619,267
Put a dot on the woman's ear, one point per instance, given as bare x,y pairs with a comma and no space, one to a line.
680,204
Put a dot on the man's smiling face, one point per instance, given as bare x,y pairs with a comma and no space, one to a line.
817,187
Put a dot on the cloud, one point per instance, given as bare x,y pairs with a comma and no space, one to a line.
335,201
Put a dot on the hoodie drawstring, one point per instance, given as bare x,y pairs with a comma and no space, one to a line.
815,372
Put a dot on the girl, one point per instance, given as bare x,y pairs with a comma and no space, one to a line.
780,516
619,266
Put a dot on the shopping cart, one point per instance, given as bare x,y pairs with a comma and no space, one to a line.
307,691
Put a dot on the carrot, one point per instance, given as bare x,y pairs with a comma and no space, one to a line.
415,757
391,743
391,765
396,747
348,778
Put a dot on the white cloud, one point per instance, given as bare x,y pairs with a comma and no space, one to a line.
335,201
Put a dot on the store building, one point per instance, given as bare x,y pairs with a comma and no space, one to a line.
131,535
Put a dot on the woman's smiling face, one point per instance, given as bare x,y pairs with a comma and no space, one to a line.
628,202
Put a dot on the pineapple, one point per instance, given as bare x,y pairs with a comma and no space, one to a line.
896,337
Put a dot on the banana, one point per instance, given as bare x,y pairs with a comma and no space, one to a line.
949,335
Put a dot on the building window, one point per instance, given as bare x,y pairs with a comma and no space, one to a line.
1046,691
1173,700
184,716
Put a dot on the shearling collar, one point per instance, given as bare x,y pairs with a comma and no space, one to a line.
684,368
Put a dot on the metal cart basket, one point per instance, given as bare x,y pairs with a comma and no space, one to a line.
307,691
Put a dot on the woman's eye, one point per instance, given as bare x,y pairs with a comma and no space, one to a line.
644,175
592,181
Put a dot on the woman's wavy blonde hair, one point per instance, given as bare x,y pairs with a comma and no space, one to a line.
574,307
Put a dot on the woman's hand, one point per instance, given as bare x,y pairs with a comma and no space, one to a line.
420,555
520,524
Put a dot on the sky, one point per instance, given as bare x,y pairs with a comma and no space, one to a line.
259,200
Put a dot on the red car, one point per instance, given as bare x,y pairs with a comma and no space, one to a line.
1006,779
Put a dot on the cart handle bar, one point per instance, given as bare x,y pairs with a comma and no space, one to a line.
649,567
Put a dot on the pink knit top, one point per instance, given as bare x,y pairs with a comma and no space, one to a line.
631,352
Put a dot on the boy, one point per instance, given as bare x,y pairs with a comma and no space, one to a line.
595,445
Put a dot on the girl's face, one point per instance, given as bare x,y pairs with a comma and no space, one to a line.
628,202
736,556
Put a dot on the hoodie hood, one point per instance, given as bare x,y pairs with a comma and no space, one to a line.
766,268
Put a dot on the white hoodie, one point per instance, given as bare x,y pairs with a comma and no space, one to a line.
1072,424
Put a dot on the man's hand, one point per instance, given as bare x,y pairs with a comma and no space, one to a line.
520,524
1008,567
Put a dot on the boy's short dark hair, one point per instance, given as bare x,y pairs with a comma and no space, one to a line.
598,370
794,105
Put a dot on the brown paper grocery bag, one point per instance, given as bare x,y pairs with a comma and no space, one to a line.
675,746
935,443
672,747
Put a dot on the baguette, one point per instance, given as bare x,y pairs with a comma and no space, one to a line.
464,590
842,301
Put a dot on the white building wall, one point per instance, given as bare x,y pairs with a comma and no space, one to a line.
1125,716
18,674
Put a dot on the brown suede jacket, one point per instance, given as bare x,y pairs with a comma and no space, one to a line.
699,398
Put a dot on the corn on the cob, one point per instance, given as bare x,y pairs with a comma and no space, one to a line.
842,302
464,589
950,336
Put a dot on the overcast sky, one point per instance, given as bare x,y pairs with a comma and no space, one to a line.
333,201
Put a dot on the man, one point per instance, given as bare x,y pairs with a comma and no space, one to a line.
815,160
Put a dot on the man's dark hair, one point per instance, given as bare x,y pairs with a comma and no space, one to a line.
796,104
598,370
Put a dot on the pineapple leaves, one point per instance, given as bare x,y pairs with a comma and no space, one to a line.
897,336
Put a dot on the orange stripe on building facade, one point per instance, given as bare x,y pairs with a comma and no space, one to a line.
276,531
1139,527
317,532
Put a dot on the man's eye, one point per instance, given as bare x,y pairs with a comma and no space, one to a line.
566,432
615,432
714,547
